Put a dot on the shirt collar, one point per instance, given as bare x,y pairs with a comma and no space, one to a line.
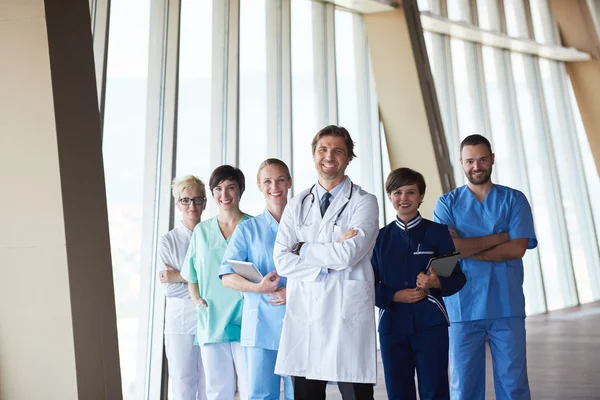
270,219
334,192
411,224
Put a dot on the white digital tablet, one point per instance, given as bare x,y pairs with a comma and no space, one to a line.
246,270
444,265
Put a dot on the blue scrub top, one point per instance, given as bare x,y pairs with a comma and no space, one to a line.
253,241
493,289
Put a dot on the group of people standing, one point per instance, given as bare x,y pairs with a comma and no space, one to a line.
326,265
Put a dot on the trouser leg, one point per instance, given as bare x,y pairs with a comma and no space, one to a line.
308,389
185,366
467,360
263,383
507,340
398,366
288,388
356,391
431,360
237,353
218,371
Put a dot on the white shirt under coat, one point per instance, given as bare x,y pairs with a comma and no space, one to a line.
329,326
180,315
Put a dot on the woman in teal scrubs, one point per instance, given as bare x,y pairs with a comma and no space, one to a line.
219,308
264,302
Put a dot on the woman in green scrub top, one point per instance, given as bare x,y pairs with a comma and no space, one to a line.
219,308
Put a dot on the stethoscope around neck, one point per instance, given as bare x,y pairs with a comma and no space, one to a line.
312,201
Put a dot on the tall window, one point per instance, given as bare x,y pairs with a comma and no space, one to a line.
253,99
307,50
123,148
194,101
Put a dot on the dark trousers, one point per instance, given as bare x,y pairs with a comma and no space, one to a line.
308,389
427,353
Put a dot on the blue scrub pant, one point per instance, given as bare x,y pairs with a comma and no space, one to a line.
427,352
506,337
263,383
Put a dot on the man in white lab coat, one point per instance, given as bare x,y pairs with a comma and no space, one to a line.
323,248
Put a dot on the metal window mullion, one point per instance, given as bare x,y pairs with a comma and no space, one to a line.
158,166
279,103
100,21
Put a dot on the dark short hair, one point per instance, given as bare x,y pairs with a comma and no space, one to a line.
339,131
227,173
402,177
474,140
273,161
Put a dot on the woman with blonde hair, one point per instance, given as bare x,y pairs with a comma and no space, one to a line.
219,310
183,356
264,302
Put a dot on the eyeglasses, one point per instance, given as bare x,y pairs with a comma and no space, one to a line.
185,201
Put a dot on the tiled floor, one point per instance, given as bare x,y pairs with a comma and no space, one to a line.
563,357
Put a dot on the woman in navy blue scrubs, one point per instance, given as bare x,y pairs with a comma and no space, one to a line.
413,323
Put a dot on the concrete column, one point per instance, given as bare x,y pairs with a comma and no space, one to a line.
407,99
58,336
577,29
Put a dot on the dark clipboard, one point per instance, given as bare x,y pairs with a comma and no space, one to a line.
444,265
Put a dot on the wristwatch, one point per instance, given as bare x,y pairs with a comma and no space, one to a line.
296,248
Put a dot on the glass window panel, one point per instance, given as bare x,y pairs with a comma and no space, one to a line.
467,94
441,69
424,5
584,252
347,89
253,99
556,265
305,90
488,17
508,163
544,27
516,21
589,166
123,150
459,10
390,213
194,101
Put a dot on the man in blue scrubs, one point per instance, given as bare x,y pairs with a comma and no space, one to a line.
492,227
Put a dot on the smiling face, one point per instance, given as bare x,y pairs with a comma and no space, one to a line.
477,162
227,195
192,212
331,160
406,200
274,183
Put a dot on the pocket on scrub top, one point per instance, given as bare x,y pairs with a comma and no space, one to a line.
357,300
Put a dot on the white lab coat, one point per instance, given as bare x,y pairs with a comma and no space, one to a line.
329,326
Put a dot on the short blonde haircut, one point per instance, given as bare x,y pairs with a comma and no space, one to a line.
187,182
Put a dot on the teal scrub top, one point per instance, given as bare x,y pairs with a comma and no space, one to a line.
493,289
253,241
220,321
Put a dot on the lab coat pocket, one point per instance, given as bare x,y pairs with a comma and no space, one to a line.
358,302
338,233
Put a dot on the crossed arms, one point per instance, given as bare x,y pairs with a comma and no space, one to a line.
495,247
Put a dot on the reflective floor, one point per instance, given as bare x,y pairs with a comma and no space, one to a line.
563,350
